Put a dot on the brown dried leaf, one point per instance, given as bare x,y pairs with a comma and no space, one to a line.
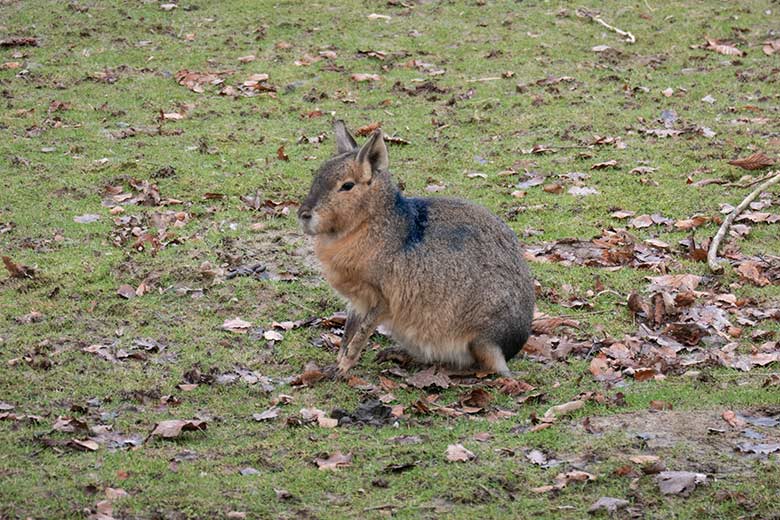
311,374
477,398
429,377
563,409
512,387
335,461
721,48
608,504
126,291
604,165
771,46
731,418
196,80
679,482
236,325
174,427
360,77
271,413
755,161
691,223
548,324
368,129
84,445
642,221
753,273
457,453
18,270
622,213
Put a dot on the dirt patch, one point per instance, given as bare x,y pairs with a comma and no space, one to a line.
698,440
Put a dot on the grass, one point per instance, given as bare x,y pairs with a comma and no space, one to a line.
56,165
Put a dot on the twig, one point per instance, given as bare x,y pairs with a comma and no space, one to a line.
630,38
477,80
627,35
753,182
712,254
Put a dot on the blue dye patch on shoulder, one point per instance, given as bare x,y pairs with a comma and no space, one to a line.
415,212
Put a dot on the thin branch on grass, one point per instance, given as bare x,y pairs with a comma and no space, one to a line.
750,183
630,38
712,254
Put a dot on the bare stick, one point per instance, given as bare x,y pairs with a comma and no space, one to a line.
712,254
585,13
627,35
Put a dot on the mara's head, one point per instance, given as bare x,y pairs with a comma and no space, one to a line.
345,186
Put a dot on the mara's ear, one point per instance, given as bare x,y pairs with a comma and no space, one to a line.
344,141
372,157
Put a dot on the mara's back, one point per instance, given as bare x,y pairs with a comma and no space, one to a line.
459,272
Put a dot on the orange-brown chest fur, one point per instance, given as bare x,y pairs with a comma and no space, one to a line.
346,263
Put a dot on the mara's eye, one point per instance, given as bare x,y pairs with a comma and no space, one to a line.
347,186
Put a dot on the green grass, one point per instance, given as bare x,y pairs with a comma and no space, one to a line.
229,146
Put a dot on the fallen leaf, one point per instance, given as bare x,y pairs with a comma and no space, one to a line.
429,377
660,405
733,420
753,273
126,291
281,155
604,165
359,77
771,46
311,374
608,504
513,387
692,222
478,398
721,48
679,482
335,461
173,428
755,161
563,409
644,459
236,325
367,129
19,41
760,449
86,219
273,335
641,221
115,493
18,270
457,453
196,80
84,445
582,191
271,413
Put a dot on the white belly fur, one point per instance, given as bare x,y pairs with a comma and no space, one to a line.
450,351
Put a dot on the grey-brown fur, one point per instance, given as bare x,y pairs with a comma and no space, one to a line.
445,276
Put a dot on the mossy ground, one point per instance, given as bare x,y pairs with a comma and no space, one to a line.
54,170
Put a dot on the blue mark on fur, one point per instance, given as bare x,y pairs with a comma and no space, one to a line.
415,212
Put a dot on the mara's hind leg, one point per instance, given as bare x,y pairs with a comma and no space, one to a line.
489,357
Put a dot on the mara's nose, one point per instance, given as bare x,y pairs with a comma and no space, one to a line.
304,213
